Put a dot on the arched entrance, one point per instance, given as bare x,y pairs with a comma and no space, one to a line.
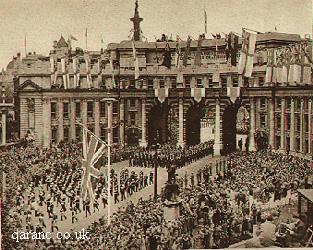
229,128
132,135
193,118
261,140
242,129
158,129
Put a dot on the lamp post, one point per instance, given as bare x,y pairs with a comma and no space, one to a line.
110,103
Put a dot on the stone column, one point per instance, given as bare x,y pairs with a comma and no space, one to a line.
46,122
97,117
217,136
301,126
84,112
72,120
240,81
252,126
4,127
122,122
229,81
110,118
310,126
60,121
180,142
283,125
292,125
143,142
272,122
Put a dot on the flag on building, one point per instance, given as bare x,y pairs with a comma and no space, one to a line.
161,94
187,51
245,64
199,51
112,72
167,57
177,52
233,93
136,63
93,149
271,67
197,93
73,38
233,48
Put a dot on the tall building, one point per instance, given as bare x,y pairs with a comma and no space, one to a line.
162,95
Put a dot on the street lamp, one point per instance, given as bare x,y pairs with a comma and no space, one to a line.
109,101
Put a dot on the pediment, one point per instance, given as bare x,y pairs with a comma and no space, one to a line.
29,85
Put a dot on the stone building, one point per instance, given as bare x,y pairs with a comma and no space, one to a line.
187,104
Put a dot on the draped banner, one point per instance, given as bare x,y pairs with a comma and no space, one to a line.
233,93
197,93
180,77
271,67
187,51
294,75
198,52
216,77
161,94
245,64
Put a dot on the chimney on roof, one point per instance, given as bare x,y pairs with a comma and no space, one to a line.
55,44
34,53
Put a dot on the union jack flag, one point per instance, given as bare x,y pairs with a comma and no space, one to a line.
92,151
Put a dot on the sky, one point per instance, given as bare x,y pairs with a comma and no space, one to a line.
43,21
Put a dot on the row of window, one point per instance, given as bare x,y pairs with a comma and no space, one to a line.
297,123
305,148
78,133
90,109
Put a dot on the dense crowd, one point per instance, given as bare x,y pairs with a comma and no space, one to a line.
219,204
167,155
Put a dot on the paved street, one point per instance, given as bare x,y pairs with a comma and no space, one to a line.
83,221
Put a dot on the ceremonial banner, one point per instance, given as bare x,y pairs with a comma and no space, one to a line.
92,151
187,51
52,66
285,63
245,65
180,77
294,75
178,53
198,52
112,72
161,94
63,67
135,58
167,57
75,71
306,61
271,68
279,63
197,93
233,93
216,77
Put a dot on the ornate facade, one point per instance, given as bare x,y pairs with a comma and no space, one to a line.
54,93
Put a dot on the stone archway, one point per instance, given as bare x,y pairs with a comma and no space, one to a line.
229,128
158,129
242,129
193,126
261,140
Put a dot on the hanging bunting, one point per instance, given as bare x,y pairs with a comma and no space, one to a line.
161,94
233,93
197,94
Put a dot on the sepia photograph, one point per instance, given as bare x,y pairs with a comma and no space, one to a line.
156,125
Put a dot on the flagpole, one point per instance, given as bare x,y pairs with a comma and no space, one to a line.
25,45
86,34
